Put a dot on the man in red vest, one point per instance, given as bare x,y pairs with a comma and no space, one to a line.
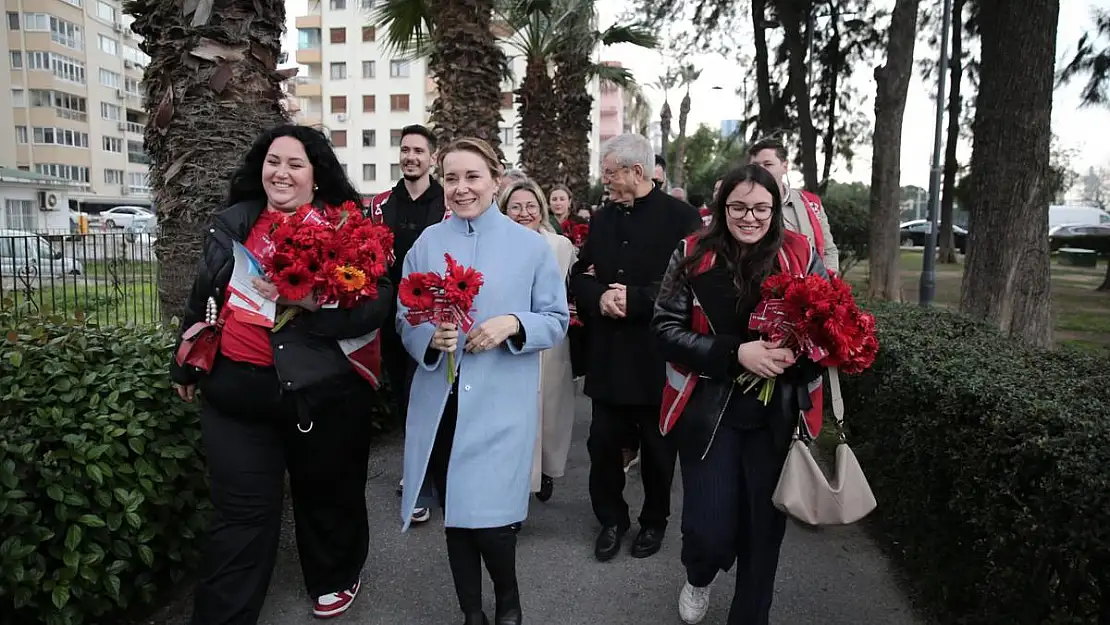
801,210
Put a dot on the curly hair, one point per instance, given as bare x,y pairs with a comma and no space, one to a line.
747,264
332,185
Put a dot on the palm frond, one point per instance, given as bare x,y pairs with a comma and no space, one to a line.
635,34
407,25
619,76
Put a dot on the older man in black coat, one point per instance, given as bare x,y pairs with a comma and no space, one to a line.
615,282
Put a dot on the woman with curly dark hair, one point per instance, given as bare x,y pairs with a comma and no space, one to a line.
280,401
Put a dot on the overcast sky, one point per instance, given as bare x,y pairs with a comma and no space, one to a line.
1084,130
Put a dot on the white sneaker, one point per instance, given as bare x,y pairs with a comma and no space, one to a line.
693,603
421,515
336,603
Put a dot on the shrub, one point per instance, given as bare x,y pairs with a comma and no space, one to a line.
102,483
991,467
846,206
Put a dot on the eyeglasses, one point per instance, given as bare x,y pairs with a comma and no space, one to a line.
760,212
531,208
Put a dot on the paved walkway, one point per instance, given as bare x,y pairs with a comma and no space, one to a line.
831,577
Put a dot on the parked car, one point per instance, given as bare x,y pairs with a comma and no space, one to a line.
27,255
1064,215
1085,237
130,218
914,233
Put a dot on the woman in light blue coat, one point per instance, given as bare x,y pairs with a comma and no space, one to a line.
476,438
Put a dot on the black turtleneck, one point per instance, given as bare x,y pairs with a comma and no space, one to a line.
408,218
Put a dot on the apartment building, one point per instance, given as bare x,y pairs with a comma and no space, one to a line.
71,101
350,86
612,107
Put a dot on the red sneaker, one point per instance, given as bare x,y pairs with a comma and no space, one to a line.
336,603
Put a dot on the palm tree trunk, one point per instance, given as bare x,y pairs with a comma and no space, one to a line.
665,128
575,105
539,132
466,62
211,88
946,237
679,166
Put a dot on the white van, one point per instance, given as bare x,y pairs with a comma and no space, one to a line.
27,255
1065,215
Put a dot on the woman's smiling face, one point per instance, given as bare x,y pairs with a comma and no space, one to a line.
287,175
524,208
468,184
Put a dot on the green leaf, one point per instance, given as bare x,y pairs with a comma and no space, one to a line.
95,474
137,445
60,596
147,555
73,537
91,520
55,492
16,358
71,559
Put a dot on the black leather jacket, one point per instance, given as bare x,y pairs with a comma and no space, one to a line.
713,358
306,351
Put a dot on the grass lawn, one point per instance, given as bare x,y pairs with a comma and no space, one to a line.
117,296
1082,314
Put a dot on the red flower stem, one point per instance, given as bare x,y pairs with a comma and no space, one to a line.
451,368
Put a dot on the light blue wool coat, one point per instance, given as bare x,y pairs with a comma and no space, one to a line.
491,460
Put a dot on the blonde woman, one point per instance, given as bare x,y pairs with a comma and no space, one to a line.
524,203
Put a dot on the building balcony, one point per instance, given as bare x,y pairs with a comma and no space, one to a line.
309,88
309,56
309,21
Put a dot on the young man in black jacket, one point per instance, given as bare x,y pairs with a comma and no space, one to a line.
415,203
615,281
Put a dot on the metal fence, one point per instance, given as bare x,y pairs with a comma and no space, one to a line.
109,278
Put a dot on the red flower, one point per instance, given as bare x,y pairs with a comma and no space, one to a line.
295,282
461,284
416,291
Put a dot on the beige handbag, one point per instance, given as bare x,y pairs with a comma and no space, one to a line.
804,492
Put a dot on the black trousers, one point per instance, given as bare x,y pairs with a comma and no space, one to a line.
727,516
611,430
251,440
468,548
399,368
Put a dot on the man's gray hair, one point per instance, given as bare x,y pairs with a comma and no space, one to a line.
631,149
516,174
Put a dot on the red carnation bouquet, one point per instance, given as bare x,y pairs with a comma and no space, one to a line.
817,318
575,231
335,256
447,298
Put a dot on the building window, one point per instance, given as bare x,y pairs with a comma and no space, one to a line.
366,5
339,104
136,56
113,176
113,144
15,59
62,67
369,68
136,154
506,99
138,181
369,33
399,102
369,172
398,69
65,105
21,134
106,12
60,136
76,173
339,138
36,22
19,98
13,20
369,140
338,5
110,79
62,32
395,138
507,135
19,214
395,171
108,45
369,103
338,71
308,38
110,112
131,85
339,35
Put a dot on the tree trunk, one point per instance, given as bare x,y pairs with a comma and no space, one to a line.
833,72
893,81
679,166
211,88
1007,269
538,123
575,105
767,121
1105,286
946,239
665,128
792,16
466,62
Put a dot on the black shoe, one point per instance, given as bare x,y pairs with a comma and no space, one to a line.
477,618
508,608
608,543
547,487
648,542
516,527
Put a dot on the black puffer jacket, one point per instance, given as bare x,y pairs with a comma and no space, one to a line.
713,358
306,351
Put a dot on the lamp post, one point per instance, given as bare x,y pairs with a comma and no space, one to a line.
929,261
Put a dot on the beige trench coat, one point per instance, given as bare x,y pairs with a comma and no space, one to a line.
556,394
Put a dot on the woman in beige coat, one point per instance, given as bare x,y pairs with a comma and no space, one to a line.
524,203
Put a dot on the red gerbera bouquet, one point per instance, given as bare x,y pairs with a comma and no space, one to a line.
575,231
817,318
335,255
447,298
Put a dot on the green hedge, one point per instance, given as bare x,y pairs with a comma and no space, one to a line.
102,483
991,465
